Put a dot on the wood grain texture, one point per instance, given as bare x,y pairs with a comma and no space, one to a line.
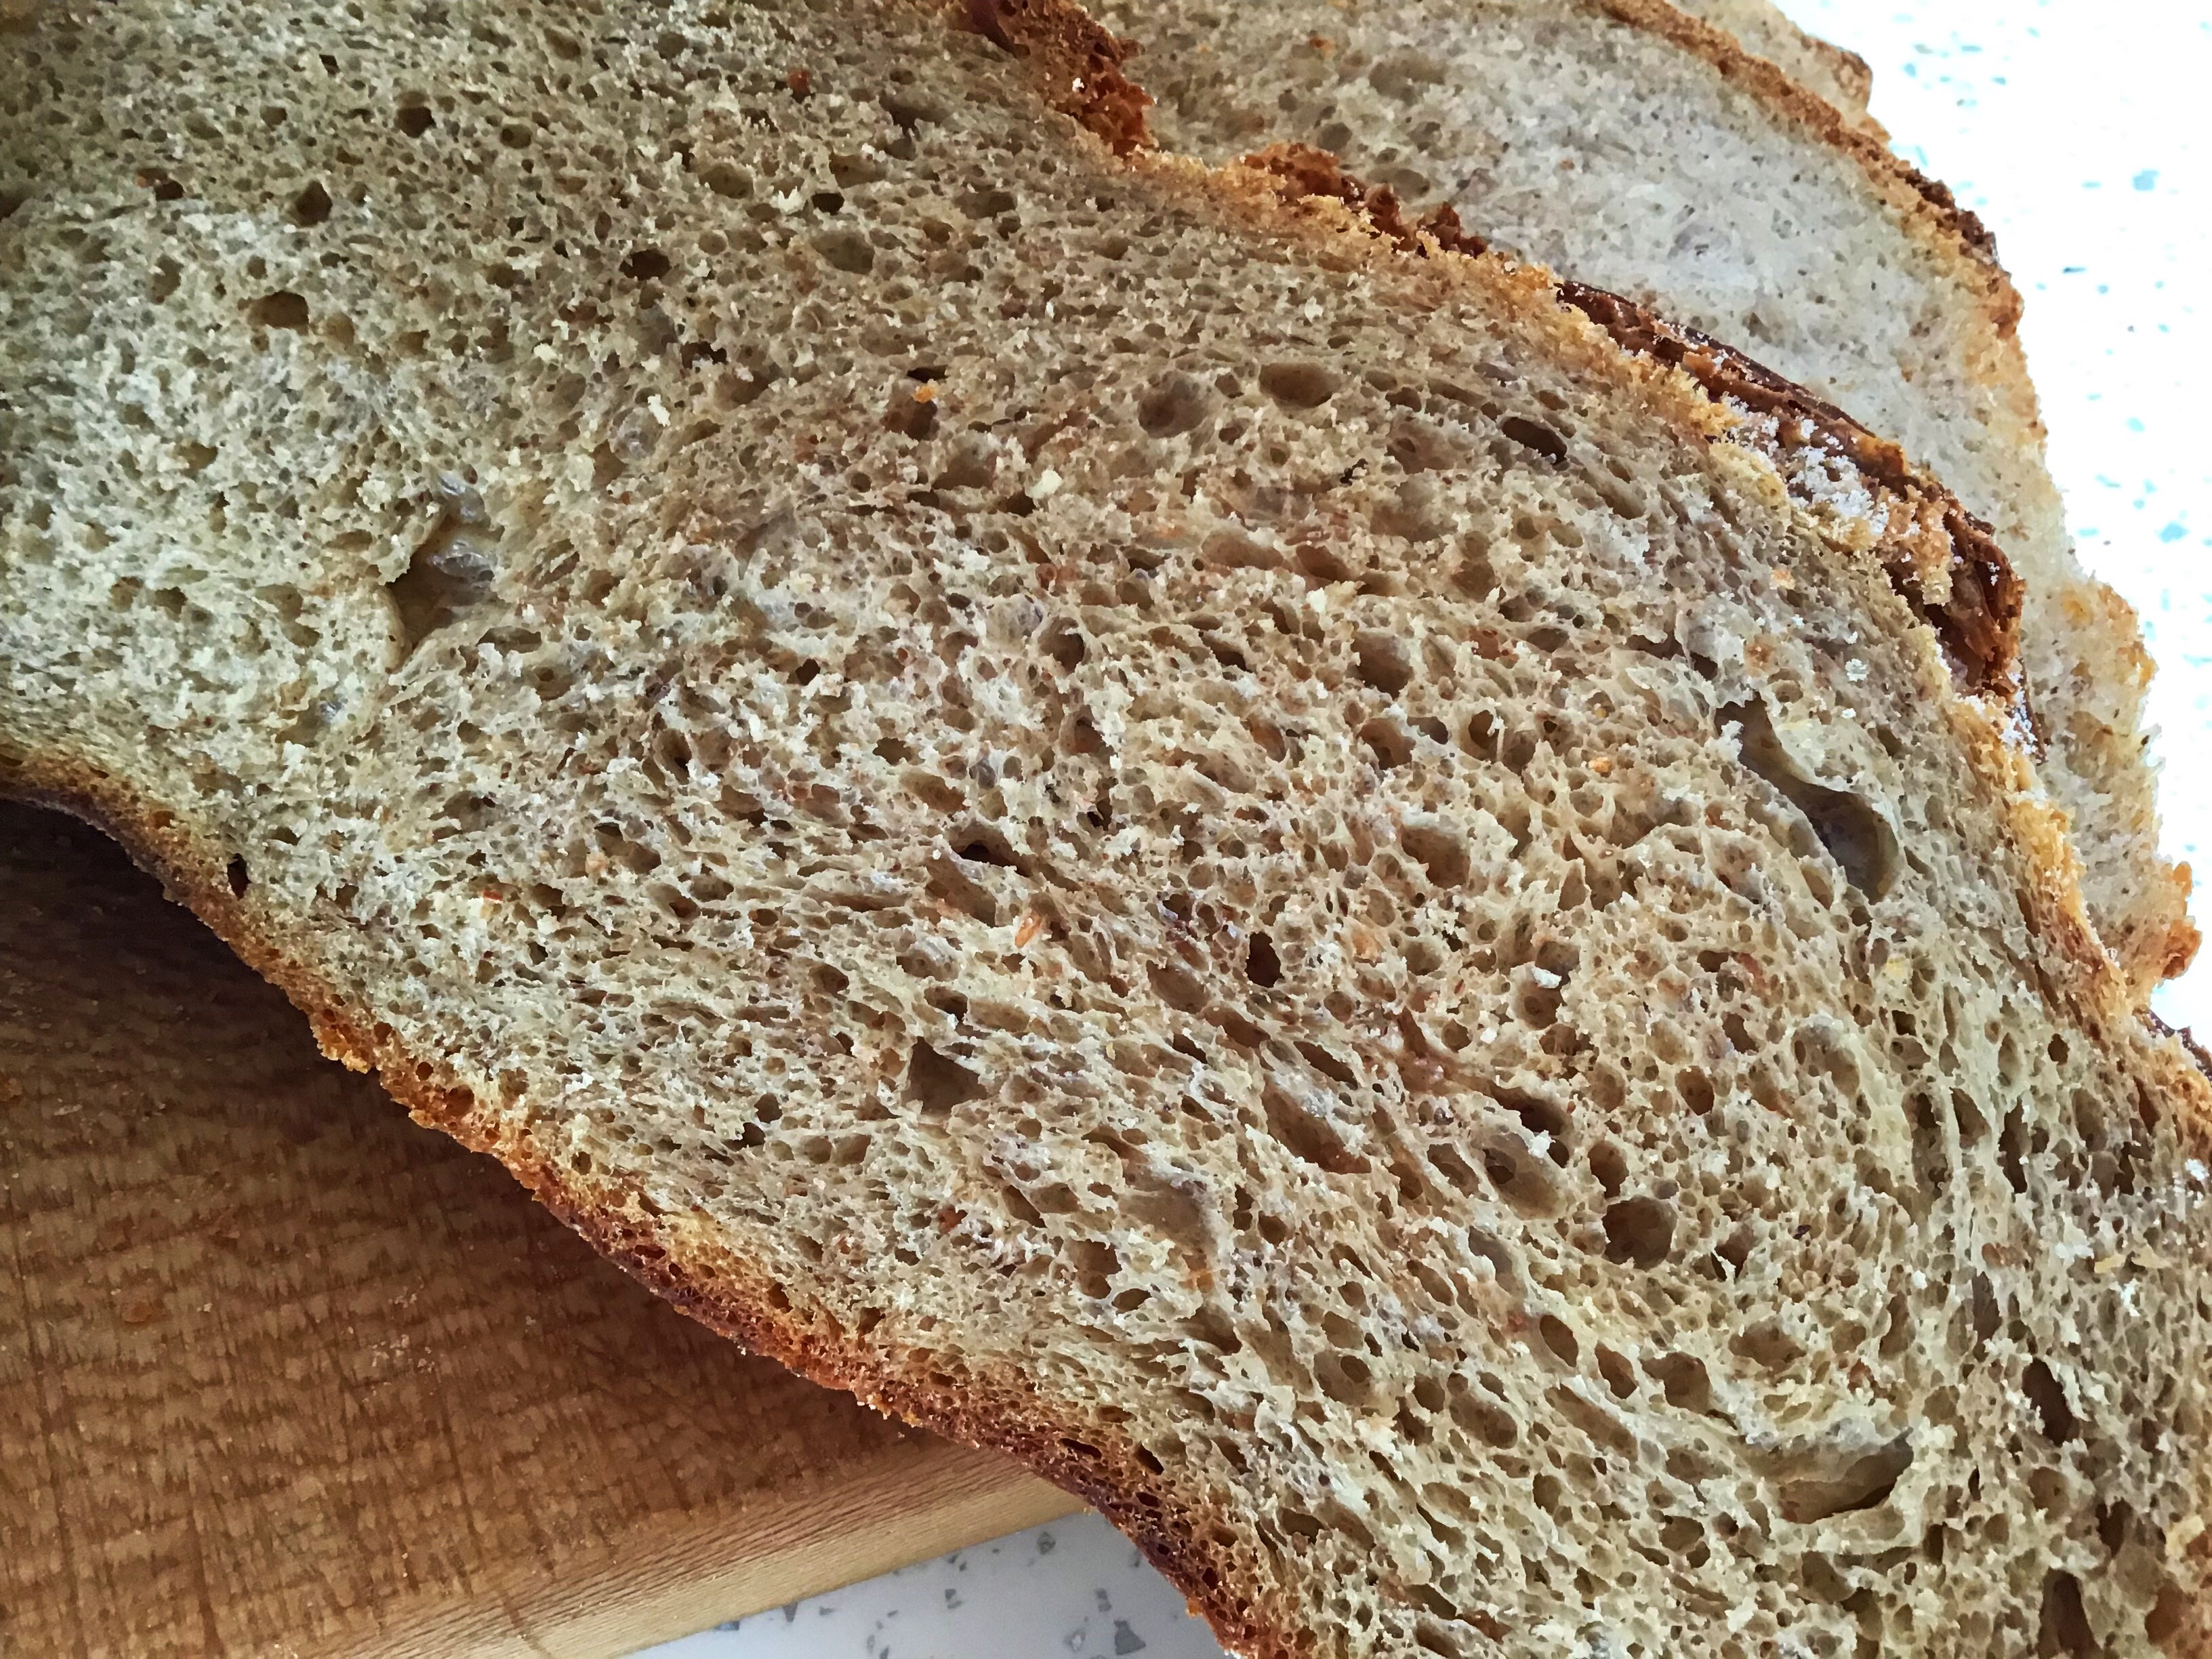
282,1373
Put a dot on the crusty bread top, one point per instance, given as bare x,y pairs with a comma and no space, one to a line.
1080,795
1635,147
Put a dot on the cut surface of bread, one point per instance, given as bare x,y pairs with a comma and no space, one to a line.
1281,871
1628,145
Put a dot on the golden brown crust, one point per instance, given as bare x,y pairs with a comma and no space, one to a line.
1977,609
2151,941
1310,171
1978,617
1078,63
1094,1462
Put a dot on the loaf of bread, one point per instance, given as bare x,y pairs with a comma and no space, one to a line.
1389,916
1630,146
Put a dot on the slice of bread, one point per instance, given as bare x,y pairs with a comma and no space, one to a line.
1389,918
1841,77
1630,146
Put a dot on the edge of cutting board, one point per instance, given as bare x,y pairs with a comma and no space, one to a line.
800,1543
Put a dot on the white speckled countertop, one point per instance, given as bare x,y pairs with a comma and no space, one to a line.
2079,138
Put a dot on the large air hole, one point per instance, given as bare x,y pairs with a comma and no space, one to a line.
2066,1629
282,309
980,843
2049,1398
1176,987
1559,1337
911,412
312,205
986,203
1931,1151
1540,1117
2169,1616
1541,439
1454,1167
1392,745
1400,74
1096,1264
1610,1166
1308,1135
1639,1230
937,1084
848,250
2012,1150
1619,1376
1831,1485
1298,385
618,849
1857,836
1385,662
731,183
1064,643
1172,405
450,573
1523,1182
1768,1346
1684,1378
951,882
1487,1420
1439,848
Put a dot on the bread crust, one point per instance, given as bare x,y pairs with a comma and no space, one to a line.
1972,595
1077,64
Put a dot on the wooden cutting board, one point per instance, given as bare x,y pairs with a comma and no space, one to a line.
282,1373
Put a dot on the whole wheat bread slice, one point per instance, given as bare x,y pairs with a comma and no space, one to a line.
1630,146
1388,917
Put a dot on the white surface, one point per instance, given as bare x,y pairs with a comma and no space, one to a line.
2076,136
1075,1589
